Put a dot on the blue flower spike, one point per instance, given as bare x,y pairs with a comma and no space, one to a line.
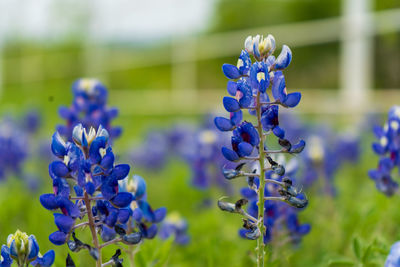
279,200
104,198
388,150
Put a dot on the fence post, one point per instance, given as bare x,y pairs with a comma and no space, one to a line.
356,55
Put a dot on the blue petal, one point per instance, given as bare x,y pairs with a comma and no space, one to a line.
284,58
146,211
120,171
137,214
304,229
94,153
248,193
112,113
140,186
278,87
230,71
108,161
123,215
78,191
58,146
374,174
112,218
160,214
297,148
151,231
236,117
90,188
58,238
109,189
278,132
378,131
33,247
48,201
229,154
47,260
63,222
107,233
245,149
378,149
264,84
223,124
232,88
122,199
5,253
230,104
292,99
58,169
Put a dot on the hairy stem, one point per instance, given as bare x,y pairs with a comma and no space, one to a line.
260,243
92,227
116,240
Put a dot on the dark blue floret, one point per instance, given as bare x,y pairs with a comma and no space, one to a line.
230,71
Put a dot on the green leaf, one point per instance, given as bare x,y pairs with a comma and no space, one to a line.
357,248
340,263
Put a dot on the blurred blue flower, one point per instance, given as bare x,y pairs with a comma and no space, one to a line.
393,259
174,225
388,149
199,147
89,108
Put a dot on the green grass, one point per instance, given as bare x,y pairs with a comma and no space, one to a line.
357,211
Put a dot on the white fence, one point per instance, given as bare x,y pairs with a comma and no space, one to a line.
354,30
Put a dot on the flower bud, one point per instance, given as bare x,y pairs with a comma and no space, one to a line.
23,248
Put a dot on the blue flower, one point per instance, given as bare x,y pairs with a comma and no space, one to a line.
24,249
6,259
270,121
224,124
279,91
388,149
89,108
393,259
244,139
259,76
284,58
242,68
274,193
46,260
175,225
382,177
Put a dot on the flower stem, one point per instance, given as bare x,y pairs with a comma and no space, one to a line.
92,227
260,243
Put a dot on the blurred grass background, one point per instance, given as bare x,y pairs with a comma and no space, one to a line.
156,81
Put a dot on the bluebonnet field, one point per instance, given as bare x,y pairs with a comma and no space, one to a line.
251,186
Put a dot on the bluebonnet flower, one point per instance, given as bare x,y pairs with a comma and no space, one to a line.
89,108
388,149
393,259
87,164
16,148
248,140
24,250
6,259
175,225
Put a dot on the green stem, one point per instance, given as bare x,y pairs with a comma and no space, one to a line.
92,227
260,243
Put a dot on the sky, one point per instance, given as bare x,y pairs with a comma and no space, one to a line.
103,20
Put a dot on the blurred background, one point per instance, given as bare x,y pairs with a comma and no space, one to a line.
161,60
